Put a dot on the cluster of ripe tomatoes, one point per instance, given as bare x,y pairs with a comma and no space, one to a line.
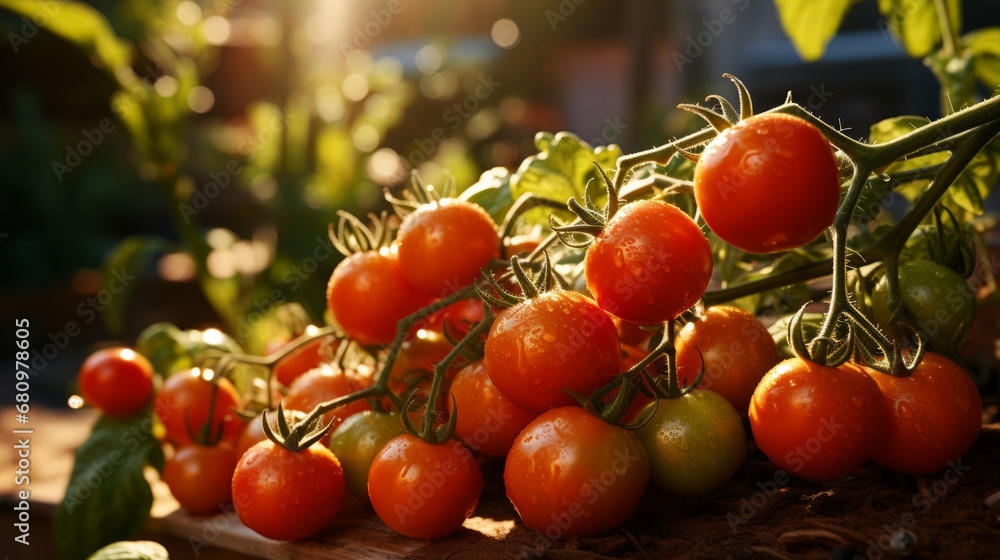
591,379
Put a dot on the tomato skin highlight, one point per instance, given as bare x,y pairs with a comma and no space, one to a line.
736,351
572,474
934,416
817,422
184,401
695,442
557,340
424,490
285,495
487,421
117,381
769,183
650,264
200,477
445,244
368,295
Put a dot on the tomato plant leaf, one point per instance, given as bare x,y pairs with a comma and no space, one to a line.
915,23
84,26
492,192
976,182
131,550
892,128
810,24
108,498
122,268
984,46
162,344
562,169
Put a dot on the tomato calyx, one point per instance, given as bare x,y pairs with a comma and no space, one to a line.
499,297
726,116
300,435
353,236
590,219
637,379
418,194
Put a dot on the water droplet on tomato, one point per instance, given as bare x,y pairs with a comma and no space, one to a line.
904,409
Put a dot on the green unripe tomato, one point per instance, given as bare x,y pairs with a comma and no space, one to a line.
357,441
938,301
695,442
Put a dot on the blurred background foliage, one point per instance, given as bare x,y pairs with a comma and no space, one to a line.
179,160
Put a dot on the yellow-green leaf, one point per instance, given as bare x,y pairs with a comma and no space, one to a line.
915,23
86,27
984,45
810,24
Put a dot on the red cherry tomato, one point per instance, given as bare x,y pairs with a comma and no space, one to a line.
200,477
183,404
286,495
487,421
555,341
305,358
650,264
769,183
368,295
424,490
934,416
737,352
444,245
118,381
323,384
817,422
572,474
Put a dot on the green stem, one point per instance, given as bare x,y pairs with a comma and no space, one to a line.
673,387
893,241
526,202
951,42
381,386
880,156
428,433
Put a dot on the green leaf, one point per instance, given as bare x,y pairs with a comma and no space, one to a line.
131,550
976,182
492,192
810,24
915,23
967,193
984,46
562,169
108,498
163,345
121,270
84,26
811,322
